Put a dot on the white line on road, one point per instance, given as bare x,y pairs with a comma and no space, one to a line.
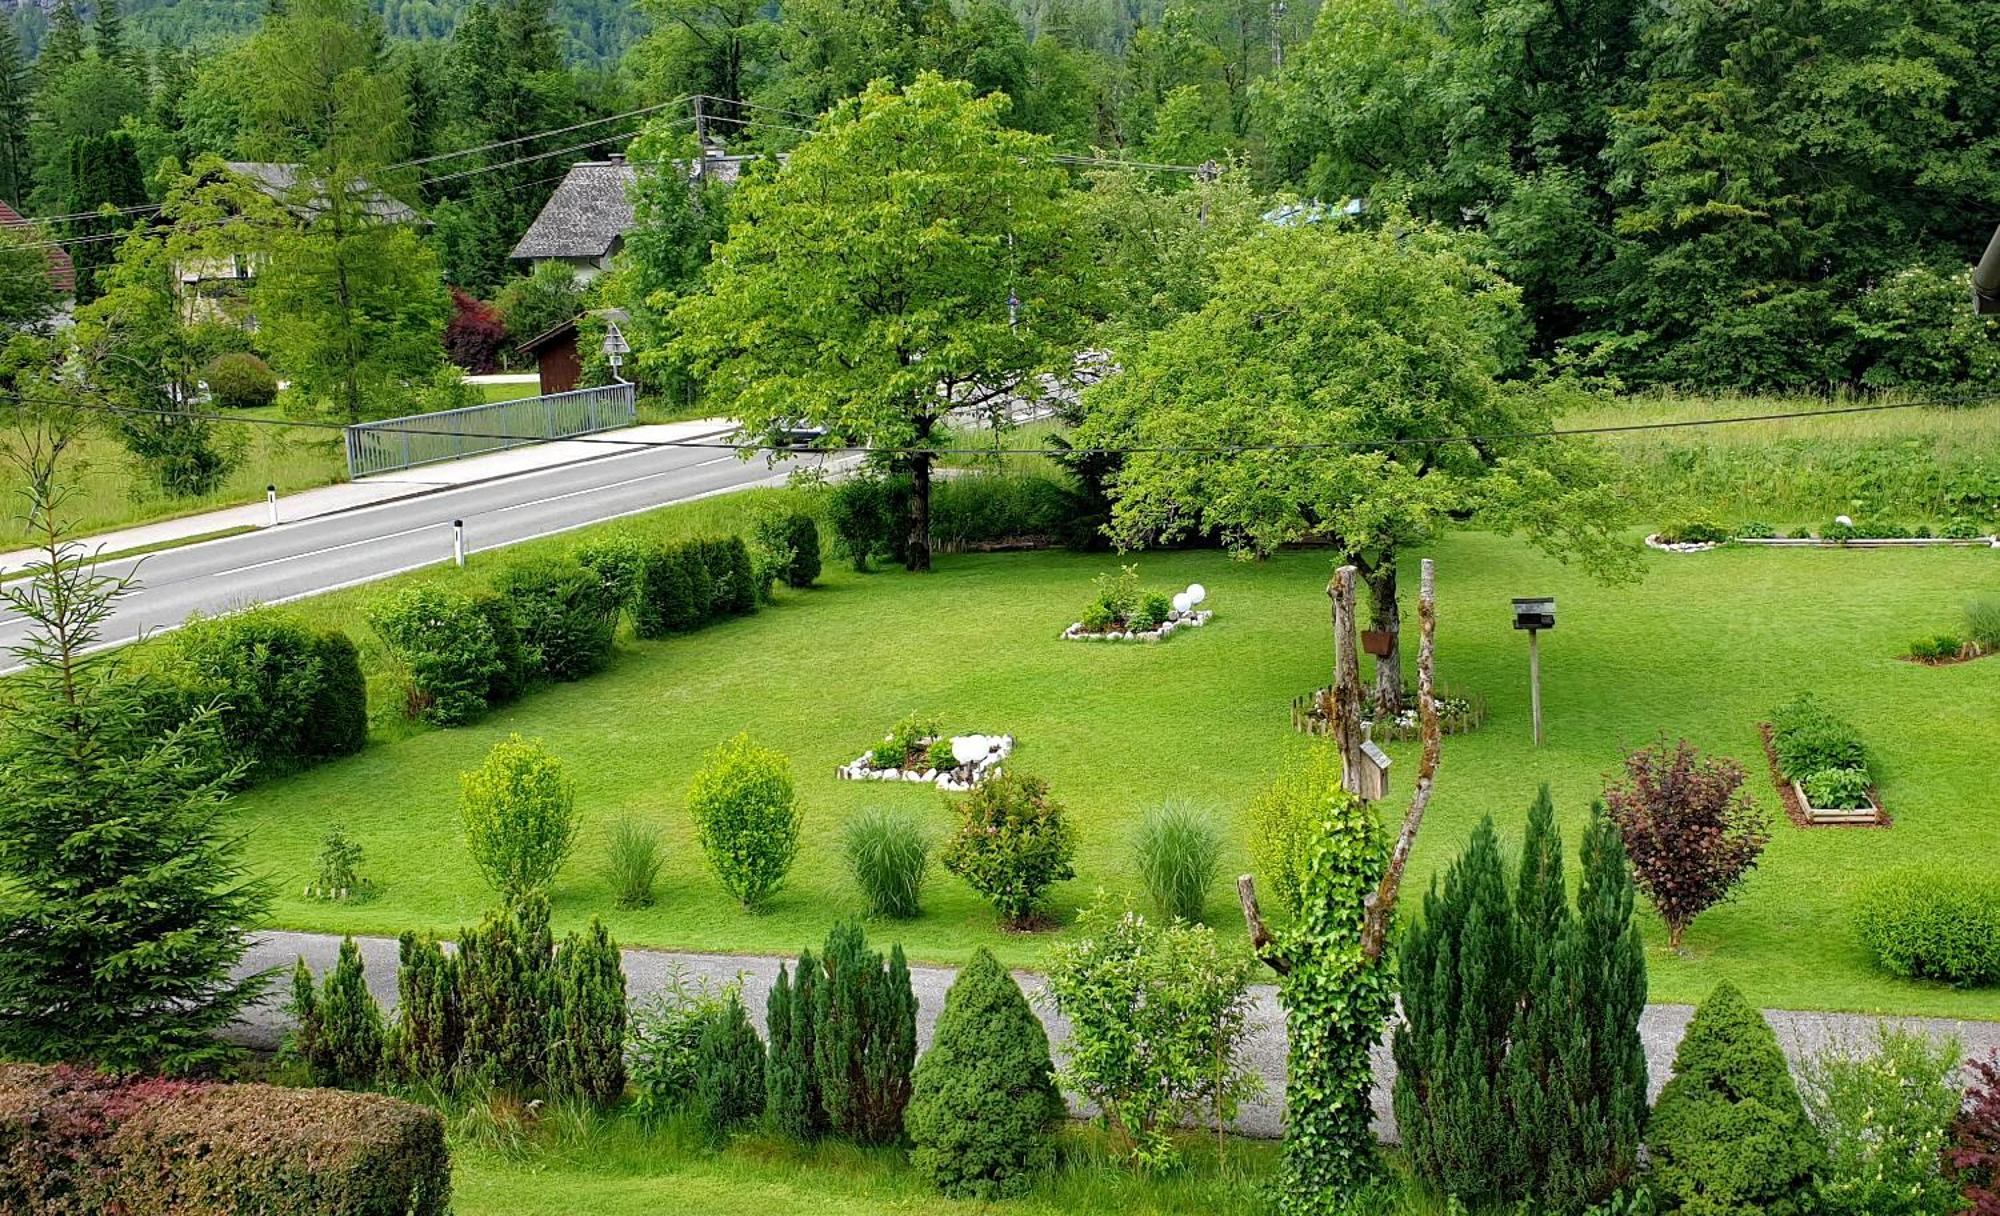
367,540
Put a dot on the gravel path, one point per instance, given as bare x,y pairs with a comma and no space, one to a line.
1802,1034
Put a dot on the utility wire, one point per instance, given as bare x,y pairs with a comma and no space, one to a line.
522,139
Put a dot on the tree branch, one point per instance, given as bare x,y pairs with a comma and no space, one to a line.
1262,944
1382,905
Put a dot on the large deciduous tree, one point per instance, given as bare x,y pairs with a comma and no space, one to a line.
1344,383
913,254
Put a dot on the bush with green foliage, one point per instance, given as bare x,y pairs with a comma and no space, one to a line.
586,1018
1179,853
336,1031
908,743
567,616
1012,508
676,592
240,381
1013,841
983,1099
728,1069
520,817
663,1038
1809,738
1982,622
737,579
1886,1121
535,303
1935,648
429,1032
1284,818
511,674
1156,1013
746,818
1152,611
888,851
1928,925
864,1037
863,513
1693,530
1837,789
78,1143
795,535
1729,1135
290,695
504,997
445,642
619,561
791,1081
632,861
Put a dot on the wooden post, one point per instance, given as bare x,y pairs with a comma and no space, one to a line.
1345,715
1535,681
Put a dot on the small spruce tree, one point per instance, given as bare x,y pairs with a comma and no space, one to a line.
503,970
430,1027
792,1101
729,1069
337,1031
983,1098
865,1038
1730,1136
587,1018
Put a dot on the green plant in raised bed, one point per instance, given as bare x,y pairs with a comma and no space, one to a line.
908,742
1151,612
1118,595
1837,789
1755,530
940,755
1809,738
1961,527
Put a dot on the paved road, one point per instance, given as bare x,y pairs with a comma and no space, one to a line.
647,971
316,555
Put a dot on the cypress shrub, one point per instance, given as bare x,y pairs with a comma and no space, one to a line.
337,722
566,615
511,674
737,593
587,1018
791,1087
729,1069
865,1038
503,972
983,1099
430,1026
338,1033
675,592
1730,1136
617,560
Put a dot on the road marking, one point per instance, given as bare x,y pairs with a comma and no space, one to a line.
353,544
615,485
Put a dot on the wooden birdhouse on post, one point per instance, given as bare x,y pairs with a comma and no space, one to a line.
1372,775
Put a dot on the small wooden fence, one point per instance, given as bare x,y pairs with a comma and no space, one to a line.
421,439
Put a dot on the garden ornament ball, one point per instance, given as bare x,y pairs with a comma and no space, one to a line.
1196,594
1182,603
967,748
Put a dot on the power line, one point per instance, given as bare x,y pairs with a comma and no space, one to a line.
523,160
522,139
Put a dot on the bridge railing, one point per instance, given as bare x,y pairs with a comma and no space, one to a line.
421,439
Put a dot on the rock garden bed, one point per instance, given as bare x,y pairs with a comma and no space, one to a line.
918,750
1700,535
1820,768
1458,714
1122,611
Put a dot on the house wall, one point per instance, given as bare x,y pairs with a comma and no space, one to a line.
561,369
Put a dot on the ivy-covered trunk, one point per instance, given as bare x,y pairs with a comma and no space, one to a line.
1385,616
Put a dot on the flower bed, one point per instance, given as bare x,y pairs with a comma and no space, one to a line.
917,750
1457,715
1697,536
1820,767
1175,620
1121,611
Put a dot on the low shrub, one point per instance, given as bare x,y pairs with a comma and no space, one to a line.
504,997
795,537
663,1038
1179,851
76,1143
869,518
1117,595
1120,603
632,862
519,812
864,1036
1729,1135
746,817
617,559
1886,1120
1694,530
735,576
908,744
983,1100
1755,530
567,616
676,592
586,1018
291,695
445,642
240,381
728,1069
1974,1155
1962,528
1809,738
1936,648
1013,841
1844,789
887,851
1152,612
1933,926
1982,622
336,1029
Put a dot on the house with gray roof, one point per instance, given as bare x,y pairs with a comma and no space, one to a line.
584,223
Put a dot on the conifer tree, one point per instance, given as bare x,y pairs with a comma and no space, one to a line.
503,969
587,1018
865,1039
792,1100
1541,1026
430,1026
16,94
729,1069
127,903
338,1033
103,172
111,46
65,43
983,1098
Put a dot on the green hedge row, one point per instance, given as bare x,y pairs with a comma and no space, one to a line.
290,695
78,1143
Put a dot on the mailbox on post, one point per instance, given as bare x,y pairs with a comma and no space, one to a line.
1534,614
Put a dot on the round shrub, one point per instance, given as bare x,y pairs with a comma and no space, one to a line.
888,851
1931,926
240,381
1936,648
676,592
746,817
519,811
511,674
291,695
1178,853
617,559
567,615
445,642
983,1098
1151,612
795,535
1013,841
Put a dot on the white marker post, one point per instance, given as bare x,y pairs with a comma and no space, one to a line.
458,542
1534,615
271,502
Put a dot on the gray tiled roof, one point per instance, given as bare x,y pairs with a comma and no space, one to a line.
592,208
280,181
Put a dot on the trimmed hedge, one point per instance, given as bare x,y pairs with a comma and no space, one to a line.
567,615
446,642
292,695
1929,926
685,585
796,536
78,1143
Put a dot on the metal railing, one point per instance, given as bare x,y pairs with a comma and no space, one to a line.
421,439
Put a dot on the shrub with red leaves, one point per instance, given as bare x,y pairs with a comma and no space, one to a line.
475,335
1974,1155
1691,831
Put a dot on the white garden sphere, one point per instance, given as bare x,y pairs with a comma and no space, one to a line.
1843,521
1182,603
967,748
1197,593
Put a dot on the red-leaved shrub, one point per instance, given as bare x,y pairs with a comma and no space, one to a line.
475,335
1974,1155
1690,830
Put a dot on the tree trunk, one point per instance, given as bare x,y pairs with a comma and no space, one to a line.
918,557
1386,617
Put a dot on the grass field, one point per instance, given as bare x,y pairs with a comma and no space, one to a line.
1702,647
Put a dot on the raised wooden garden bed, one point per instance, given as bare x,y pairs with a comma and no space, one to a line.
1802,813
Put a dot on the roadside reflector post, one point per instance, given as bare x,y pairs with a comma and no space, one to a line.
271,502
458,542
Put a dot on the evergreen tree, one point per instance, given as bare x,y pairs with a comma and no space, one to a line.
983,1098
503,972
1542,1028
430,1025
1730,1136
65,44
111,46
587,1018
127,903
338,1031
16,92
865,1038
729,1066
104,172
791,1086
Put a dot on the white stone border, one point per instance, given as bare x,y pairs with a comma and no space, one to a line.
1175,620
1814,542
955,780
1653,541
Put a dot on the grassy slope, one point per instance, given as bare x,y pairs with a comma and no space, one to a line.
1701,648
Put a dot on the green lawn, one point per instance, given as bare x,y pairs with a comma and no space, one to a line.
1702,647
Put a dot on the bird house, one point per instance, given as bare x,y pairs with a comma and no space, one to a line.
1536,612
1372,774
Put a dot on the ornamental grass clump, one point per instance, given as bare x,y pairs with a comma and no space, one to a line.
888,851
746,817
1982,623
1179,851
632,861
1014,840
